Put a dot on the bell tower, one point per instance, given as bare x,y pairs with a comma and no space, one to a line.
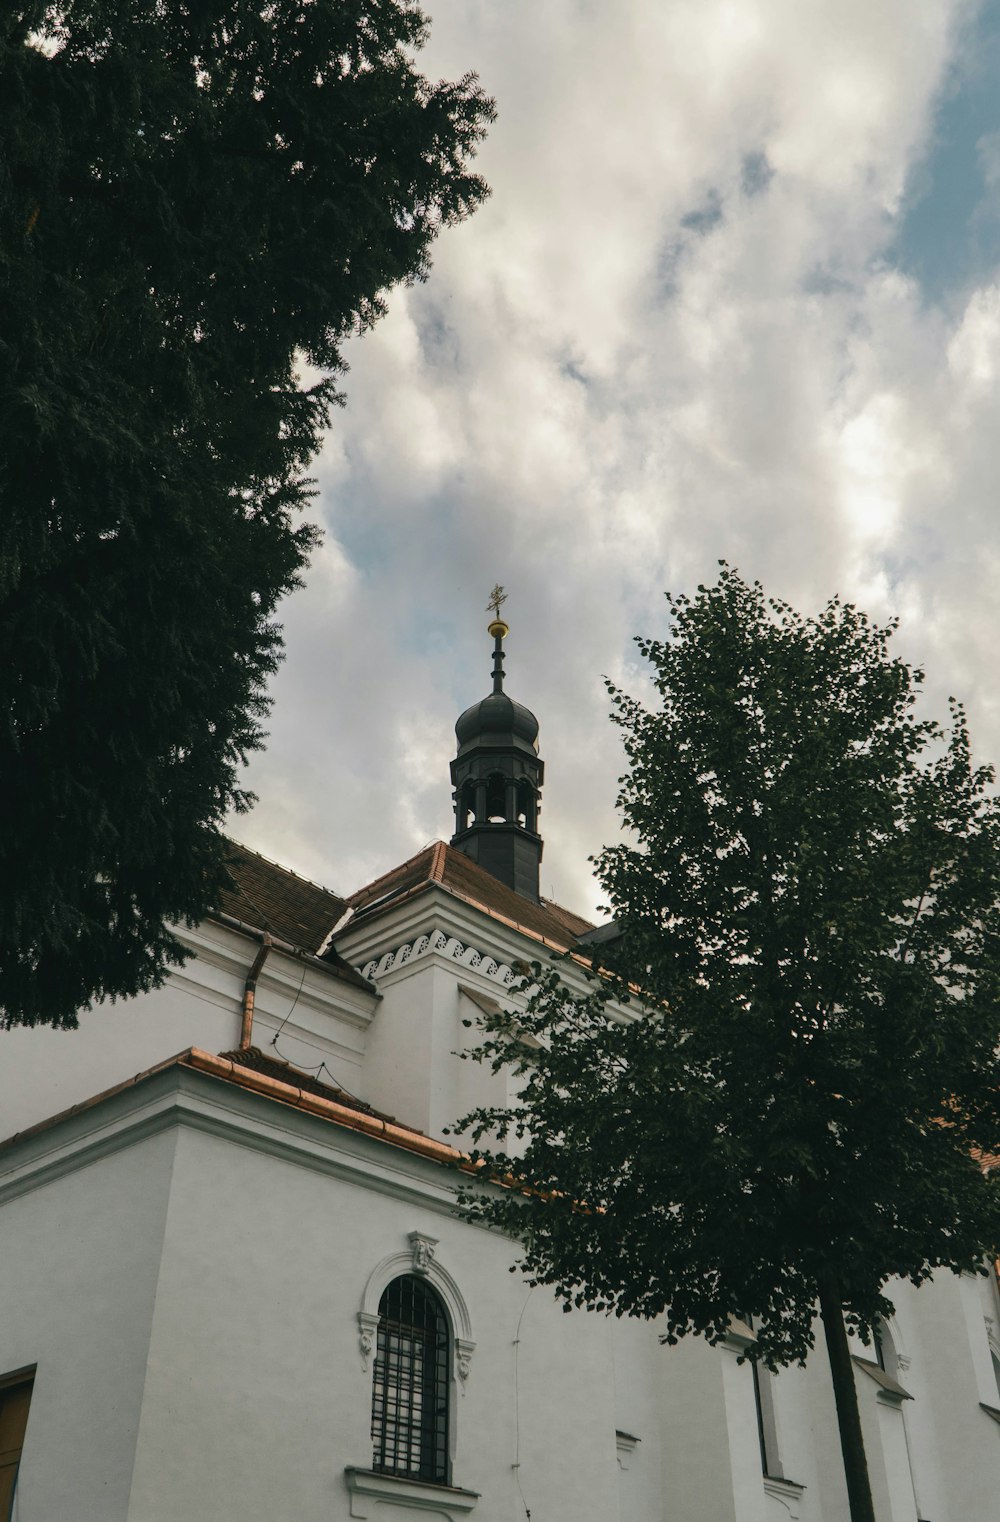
497,776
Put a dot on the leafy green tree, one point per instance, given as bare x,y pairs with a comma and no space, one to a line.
777,1091
198,203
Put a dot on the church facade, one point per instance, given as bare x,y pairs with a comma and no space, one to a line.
234,1286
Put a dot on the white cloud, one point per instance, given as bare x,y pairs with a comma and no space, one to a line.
673,335
974,352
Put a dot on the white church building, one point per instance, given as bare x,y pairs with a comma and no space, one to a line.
234,1286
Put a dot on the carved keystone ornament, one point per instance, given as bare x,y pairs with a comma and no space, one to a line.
422,1249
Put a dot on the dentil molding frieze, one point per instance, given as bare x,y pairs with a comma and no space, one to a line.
439,943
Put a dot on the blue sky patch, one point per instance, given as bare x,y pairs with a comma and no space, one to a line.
949,234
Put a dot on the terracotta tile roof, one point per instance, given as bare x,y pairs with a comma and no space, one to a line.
268,897
310,1083
450,868
292,1086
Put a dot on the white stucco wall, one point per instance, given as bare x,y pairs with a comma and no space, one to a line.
191,1301
79,1263
954,1446
185,1263
45,1071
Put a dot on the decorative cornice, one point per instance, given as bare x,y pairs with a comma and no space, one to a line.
437,906
438,942
177,1095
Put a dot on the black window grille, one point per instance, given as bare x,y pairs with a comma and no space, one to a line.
410,1392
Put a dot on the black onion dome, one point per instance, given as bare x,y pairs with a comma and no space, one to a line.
497,720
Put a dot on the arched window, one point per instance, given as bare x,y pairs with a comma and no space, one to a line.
410,1389
885,1349
767,1434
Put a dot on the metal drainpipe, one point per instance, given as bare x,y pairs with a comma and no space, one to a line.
250,988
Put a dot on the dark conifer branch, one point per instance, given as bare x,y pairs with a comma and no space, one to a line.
182,213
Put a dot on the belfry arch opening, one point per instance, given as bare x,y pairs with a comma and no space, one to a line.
496,799
527,806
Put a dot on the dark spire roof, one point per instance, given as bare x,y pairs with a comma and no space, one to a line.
497,776
497,718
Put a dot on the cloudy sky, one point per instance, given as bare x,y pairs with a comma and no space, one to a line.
736,295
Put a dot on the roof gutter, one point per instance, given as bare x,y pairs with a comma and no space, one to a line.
256,932
329,1109
271,1088
277,944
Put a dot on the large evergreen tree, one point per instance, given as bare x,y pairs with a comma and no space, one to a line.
790,1107
198,203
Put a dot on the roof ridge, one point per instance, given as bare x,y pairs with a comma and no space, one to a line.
493,914
556,907
505,919
544,903
439,861
376,882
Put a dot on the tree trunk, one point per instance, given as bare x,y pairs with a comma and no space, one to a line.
859,1493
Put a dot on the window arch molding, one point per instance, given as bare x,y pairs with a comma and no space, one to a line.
418,1259
894,1353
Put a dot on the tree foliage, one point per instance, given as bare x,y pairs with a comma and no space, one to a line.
787,1069
198,204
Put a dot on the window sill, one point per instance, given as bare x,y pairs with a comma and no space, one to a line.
367,1489
739,1336
890,1392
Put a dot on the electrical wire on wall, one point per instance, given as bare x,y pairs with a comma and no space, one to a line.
298,991
322,1067
516,1466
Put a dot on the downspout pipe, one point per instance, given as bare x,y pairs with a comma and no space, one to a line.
250,990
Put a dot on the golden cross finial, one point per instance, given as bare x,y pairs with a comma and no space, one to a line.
497,596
